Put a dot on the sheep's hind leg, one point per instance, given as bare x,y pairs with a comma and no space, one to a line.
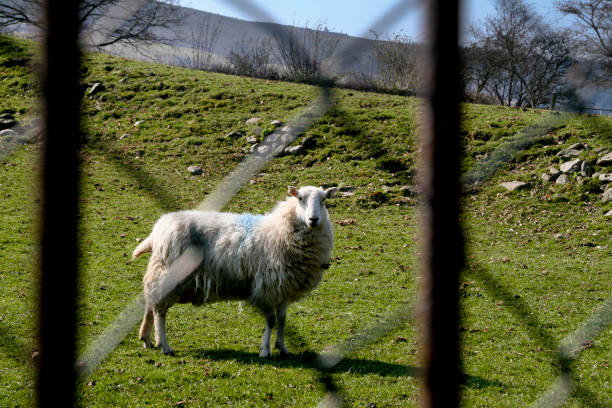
160,331
265,341
145,328
281,315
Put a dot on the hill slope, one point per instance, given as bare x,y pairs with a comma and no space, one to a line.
538,257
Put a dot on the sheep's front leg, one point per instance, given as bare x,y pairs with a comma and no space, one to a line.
281,315
265,341
160,331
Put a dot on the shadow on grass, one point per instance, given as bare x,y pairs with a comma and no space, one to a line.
347,365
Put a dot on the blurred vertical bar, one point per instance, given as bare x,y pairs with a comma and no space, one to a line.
60,179
443,238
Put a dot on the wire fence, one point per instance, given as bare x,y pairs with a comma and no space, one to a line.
441,198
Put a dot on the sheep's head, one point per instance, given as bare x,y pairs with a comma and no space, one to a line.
310,208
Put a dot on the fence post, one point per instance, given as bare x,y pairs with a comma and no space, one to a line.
60,178
442,235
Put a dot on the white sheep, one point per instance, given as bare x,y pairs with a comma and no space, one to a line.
270,260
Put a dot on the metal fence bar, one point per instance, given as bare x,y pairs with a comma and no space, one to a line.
56,382
443,240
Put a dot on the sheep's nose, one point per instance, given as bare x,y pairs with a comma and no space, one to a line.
313,221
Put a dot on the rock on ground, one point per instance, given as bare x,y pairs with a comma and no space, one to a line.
7,132
571,166
606,196
97,87
562,179
235,134
251,139
605,177
513,185
7,123
252,121
572,151
586,169
195,170
605,160
294,149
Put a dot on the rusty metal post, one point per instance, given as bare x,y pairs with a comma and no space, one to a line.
443,238
60,179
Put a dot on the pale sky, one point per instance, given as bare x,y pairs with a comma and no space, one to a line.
354,17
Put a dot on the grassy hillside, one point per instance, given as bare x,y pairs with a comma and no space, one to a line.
538,258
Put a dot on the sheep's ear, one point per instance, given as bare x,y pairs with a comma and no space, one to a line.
330,192
292,191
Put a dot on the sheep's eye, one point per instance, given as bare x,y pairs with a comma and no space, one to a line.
300,198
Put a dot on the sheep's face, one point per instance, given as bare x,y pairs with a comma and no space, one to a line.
311,204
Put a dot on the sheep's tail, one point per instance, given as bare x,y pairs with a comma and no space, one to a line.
144,246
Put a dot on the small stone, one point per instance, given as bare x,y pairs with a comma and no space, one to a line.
138,122
7,132
553,171
195,170
571,166
252,148
562,179
97,87
251,139
606,196
252,121
122,80
572,151
409,191
309,142
276,122
7,116
257,131
36,356
609,214
513,185
596,175
605,160
124,136
346,193
586,169
605,177
235,134
294,149
546,177
579,180
7,123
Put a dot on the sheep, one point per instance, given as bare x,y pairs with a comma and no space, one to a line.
269,260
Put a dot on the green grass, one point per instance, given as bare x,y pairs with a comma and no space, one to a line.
537,266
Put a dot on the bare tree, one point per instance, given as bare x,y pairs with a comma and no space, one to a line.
305,51
396,62
252,58
595,19
516,58
146,25
204,36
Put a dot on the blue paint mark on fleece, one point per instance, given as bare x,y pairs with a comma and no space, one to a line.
248,222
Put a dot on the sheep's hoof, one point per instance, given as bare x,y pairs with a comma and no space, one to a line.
168,351
284,354
264,354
